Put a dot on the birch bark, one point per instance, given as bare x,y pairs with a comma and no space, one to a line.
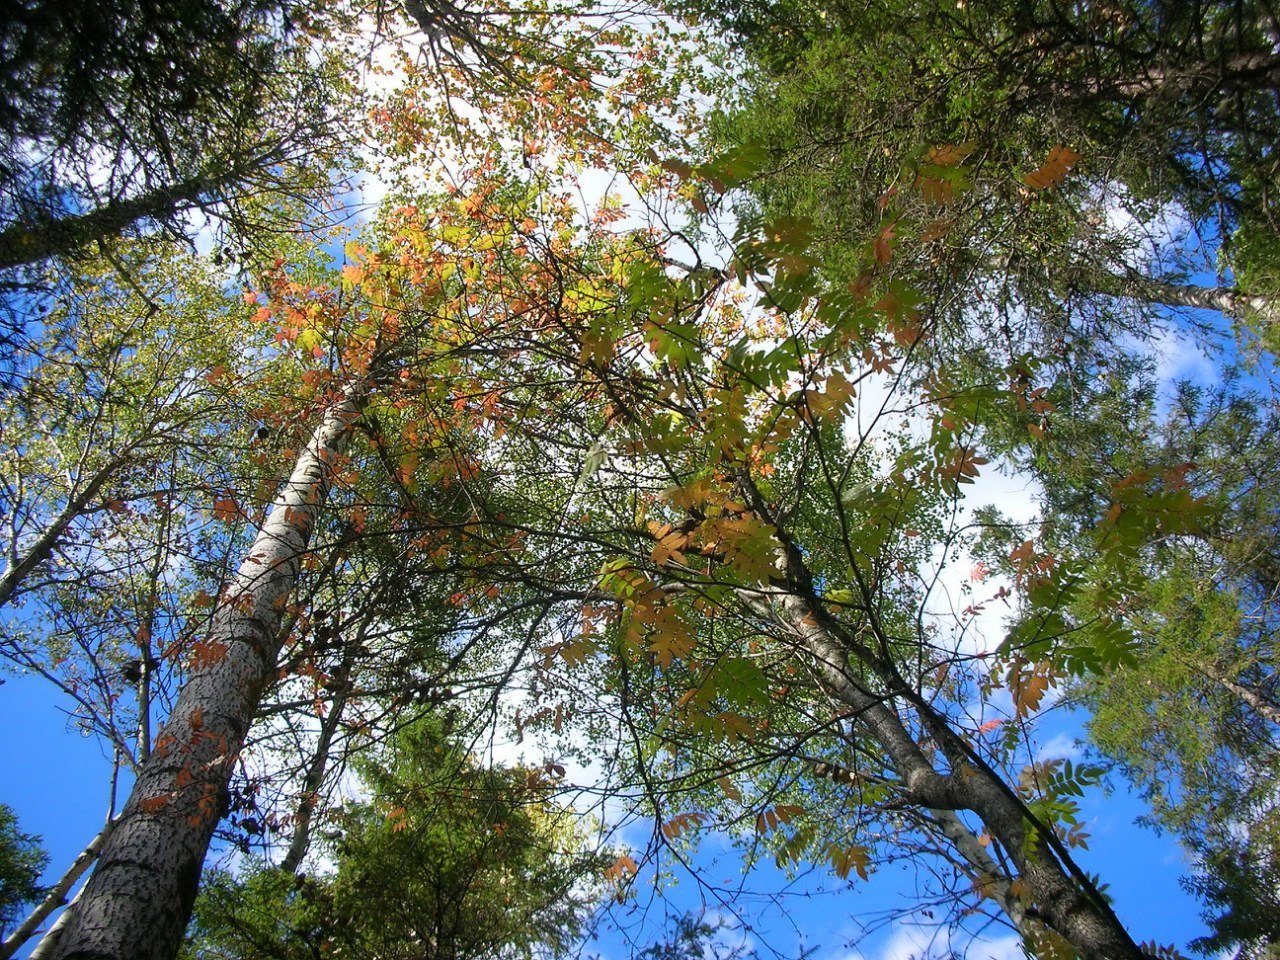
136,903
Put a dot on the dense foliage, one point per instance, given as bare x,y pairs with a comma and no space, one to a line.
617,463
21,862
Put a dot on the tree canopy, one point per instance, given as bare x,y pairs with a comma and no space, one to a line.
610,457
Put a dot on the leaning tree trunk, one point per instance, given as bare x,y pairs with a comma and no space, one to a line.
50,236
1066,903
136,904
1059,895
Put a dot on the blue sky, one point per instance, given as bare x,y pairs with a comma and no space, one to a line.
56,780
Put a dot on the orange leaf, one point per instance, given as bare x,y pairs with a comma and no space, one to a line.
207,653
226,509
950,154
623,867
1061,159
682,823
883,246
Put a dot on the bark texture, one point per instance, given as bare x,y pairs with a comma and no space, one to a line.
138,900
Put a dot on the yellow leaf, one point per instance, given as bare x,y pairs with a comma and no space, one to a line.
845,859
572,652
730,791
671,638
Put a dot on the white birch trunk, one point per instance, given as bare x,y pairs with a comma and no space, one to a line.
136,904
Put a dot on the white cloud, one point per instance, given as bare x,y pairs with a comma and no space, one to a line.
1060,747
1181,358
910,941
1000,948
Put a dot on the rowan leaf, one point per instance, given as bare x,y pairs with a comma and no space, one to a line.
1055,168
683,823
226,509
851,858
621,868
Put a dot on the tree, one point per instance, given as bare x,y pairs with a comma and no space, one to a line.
22,860
588,345
682,433
1192,720
1149,100
1158,105
181,791
249,670
115,106
445,859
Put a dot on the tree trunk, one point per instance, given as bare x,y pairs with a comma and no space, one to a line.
985,872
45,237
1228,301
314,778
44,949
1059,895
1254,700
137,902
1066,903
